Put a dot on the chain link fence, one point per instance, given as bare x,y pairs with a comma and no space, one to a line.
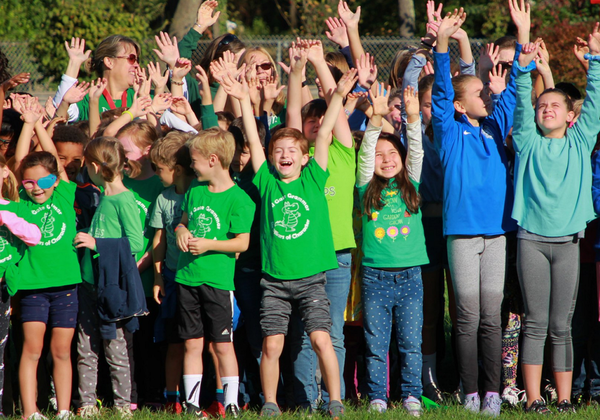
384,50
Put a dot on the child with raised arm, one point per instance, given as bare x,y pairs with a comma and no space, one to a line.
215,225
553,181
476,219
295,229
388,178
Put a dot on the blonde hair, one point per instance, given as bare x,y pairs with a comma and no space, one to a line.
108,153
244,59
10,187
338,60
143,134
168,150
214,141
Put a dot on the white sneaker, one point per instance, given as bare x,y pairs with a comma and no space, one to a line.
37,416
513,396
379,406
64,415
491,405
412,406
88,411
472,403
124,412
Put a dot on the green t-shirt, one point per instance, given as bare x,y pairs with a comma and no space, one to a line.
145,192
216,216
166,215
53,262
11,247
251,258
339,191
296,239
393,237
116,217
84,104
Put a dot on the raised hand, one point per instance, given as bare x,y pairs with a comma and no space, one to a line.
520,12
528,53
76,51
349,18
580,49
367,70
29,107
594,40
428,69
97,88
13,82
314,49
50,108
161,103
203,83
206,18
232,87
497,78
140,106
167,49
379,99
298,59
140,82
225,65
488,58
337,32
182,68
411,102
76,92
181,105
451,23
434,16
346,83
158,79
270,89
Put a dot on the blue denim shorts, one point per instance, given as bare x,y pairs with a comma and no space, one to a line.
56,307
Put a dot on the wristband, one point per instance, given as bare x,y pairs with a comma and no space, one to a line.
591,57
426,45
128,113
304,84
196,24
177,83
179,226
531,66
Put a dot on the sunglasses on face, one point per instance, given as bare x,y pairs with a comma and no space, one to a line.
264,66
227,39
44,183
131,58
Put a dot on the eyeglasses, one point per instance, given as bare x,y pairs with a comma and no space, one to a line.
44,183
264,66
4,144
131,58
227,39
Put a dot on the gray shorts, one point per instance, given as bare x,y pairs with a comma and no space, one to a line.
279,296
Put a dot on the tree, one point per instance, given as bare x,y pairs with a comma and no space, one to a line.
184,17
406,12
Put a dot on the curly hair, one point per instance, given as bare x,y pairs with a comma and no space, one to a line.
4,66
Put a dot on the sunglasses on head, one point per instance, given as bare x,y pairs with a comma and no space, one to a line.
131,58
44,183
265,66
227,39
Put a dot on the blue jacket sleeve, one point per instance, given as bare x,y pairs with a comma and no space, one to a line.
445,128
467,68
504,110
347,56
596,181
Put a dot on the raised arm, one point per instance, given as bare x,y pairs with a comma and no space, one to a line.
31,112
524,127
239,90
520,14
298,58
351,20
414,149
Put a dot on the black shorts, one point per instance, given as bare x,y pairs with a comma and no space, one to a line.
204,305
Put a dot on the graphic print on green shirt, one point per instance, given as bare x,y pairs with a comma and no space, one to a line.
218,217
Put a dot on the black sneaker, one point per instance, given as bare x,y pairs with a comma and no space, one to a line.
336,409
195,411
539,407
578,400
565,406
232,410
595,399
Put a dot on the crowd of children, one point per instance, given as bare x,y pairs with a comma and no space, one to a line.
186,243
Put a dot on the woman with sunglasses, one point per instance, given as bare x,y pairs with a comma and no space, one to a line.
47,277
116,59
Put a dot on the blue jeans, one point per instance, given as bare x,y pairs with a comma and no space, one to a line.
388,295
306,391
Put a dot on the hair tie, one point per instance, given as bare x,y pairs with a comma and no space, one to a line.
103,164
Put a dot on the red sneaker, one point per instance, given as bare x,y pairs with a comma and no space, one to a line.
216,409
173,408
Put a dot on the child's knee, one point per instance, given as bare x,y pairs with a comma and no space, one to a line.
273,346
321,341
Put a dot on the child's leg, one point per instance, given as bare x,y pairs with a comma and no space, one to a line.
408,314
269,366
33,343
4,326
88,345
174,366
227,372
378,300
321,342
117,358
60,347
192,369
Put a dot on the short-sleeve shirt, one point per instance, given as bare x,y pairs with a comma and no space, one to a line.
392,237
53,262
296,240
215,216
167,215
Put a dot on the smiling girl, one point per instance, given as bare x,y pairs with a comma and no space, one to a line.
553,203
394,249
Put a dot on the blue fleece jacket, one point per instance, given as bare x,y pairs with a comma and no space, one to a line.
478,192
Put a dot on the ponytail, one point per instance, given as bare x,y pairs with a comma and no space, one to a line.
108,154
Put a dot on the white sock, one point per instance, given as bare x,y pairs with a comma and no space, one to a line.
192,384
231,385
429,368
